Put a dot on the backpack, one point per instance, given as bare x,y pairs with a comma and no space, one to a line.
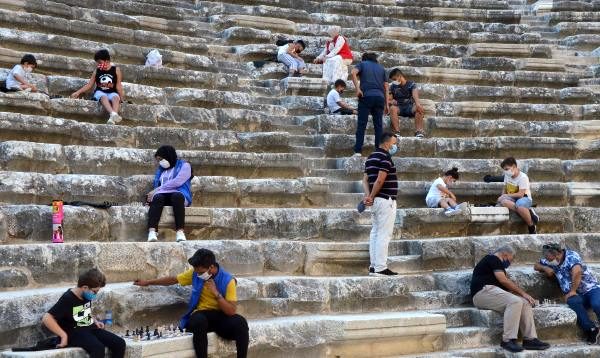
283,41
154,59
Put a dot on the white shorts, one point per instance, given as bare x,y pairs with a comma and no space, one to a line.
433,201
100,94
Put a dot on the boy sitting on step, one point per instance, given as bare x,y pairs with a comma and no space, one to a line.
72,321
18,77
405,103
334,101
440,197
106,79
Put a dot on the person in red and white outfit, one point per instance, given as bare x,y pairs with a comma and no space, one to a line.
336,57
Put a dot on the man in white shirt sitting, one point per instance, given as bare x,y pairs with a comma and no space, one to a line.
334,100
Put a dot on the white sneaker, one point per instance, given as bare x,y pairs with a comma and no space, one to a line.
357,155
180,236
114,118
451,212
152,237
461,206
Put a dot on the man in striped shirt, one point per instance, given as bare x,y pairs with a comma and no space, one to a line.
381,189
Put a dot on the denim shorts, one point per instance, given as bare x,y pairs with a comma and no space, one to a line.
406,110
100,94
524,202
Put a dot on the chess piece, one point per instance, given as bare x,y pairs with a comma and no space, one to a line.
160,335
155,332
148,335
147,329
136,338
127,333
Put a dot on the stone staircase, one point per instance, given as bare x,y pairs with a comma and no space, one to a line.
275,192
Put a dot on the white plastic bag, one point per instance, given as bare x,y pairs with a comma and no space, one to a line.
154,59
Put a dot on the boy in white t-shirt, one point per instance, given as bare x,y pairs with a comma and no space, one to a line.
334,100
18,77
516,194
440,197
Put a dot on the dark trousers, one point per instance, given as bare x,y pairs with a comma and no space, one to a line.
581,303
228,327
95,340
344,111
176,200
373,105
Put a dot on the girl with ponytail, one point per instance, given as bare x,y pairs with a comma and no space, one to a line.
440,197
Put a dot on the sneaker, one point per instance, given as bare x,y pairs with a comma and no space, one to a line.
451,212
532,229
593,336
512,346
152,237
535,345
461,206
114,118
534,216
180,236
386,272
419,135
357,155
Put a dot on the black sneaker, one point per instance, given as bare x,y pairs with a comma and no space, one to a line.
386,272
593,336
512,346
534,216
535,345
371,270
532,229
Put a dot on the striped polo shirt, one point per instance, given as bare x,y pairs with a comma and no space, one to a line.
381,160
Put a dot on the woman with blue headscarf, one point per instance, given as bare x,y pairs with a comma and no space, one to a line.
172,187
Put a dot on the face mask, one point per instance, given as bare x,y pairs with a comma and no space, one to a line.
103,66
508,173
554,262
393,149
164,164
506,264
396,83
205,276
89,295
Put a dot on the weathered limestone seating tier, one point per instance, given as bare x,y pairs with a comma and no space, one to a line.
556,351
30,223
480,147
55,158
464,127
27,187
63,131
24,265
66,65
476,169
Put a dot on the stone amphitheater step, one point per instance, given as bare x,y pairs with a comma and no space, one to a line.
449,127
470,169
30,224
413,193
64,131
212,191
560,350
568,28
403,332
55,158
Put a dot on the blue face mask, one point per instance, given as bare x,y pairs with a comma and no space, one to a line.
506,264
393,149
90,296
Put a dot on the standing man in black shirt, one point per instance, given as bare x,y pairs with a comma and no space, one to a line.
381,189
491,289
72,321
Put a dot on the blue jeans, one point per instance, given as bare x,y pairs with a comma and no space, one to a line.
581,303
373,105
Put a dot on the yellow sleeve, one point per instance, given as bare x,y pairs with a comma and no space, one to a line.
231,292
185,278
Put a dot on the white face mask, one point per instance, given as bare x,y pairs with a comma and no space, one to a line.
164,164
554,262
508,173
205,276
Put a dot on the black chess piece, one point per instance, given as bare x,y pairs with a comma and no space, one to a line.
155,332
127,333
148,335
180,329
147,329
